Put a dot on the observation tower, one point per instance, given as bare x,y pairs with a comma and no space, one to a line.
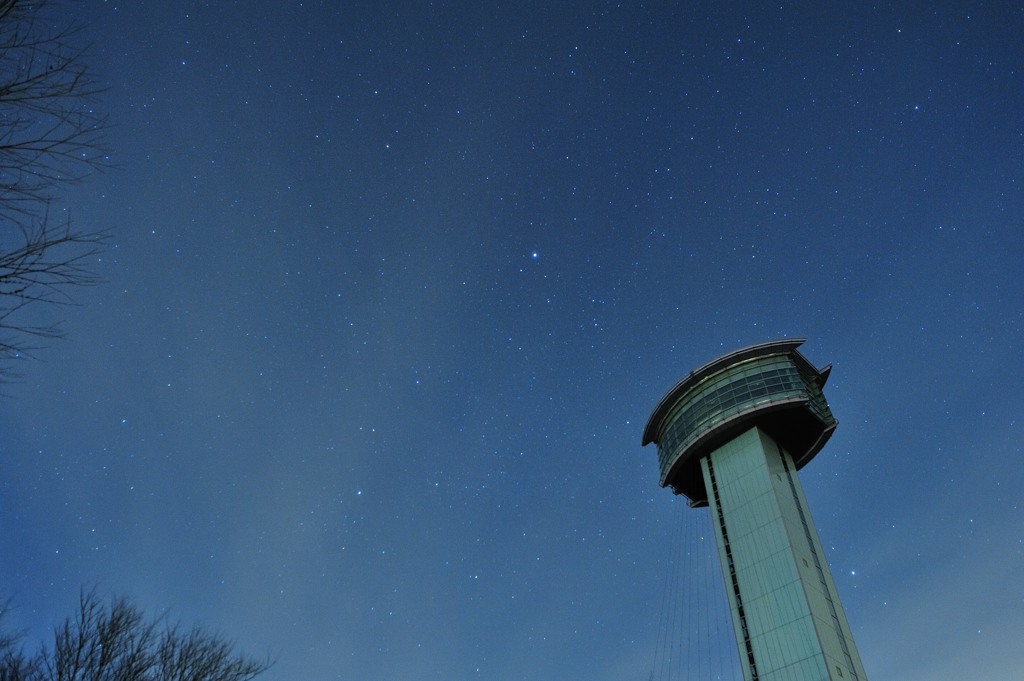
731,436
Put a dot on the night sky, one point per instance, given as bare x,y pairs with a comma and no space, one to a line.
396,285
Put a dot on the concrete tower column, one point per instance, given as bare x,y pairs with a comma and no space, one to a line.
787,616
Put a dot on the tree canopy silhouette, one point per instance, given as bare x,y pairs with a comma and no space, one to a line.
116,642
51,136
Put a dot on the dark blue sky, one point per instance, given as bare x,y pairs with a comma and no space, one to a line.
396,285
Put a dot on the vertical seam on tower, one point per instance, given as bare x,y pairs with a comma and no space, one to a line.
732,574
817,564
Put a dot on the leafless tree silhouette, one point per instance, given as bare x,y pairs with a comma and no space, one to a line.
116,642
51,136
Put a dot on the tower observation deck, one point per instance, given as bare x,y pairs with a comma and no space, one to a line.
731,436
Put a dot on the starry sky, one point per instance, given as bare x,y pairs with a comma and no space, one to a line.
396,285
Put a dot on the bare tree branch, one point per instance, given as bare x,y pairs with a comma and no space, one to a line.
51,136
116,643
15,665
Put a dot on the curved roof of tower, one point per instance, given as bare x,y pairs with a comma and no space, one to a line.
775,347
790,419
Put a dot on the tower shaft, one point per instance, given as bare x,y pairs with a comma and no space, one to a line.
789,623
